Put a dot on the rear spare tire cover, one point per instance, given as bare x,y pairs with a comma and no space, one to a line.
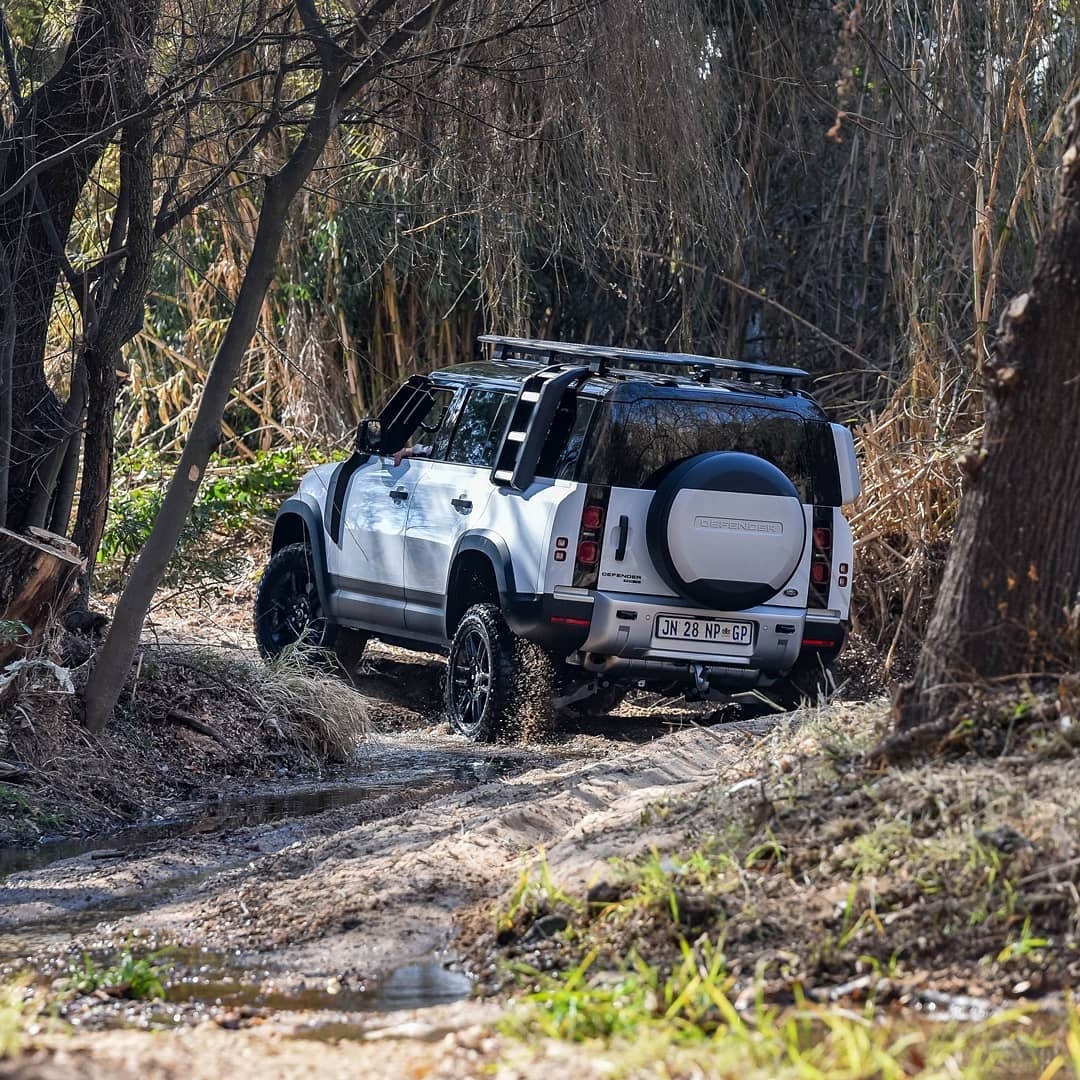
726,530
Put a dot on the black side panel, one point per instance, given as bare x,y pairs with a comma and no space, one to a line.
292,509
335,494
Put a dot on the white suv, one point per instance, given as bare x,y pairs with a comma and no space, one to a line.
643,518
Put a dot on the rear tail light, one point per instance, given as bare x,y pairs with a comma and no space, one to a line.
821,558
588,553
592,517
590,538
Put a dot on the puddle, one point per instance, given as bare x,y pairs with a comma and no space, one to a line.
414,986
388,771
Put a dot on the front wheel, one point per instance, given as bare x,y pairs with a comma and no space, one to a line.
480,677
287,607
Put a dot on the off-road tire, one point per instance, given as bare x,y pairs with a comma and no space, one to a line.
481,676
287,607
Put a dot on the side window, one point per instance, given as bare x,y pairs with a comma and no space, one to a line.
433,432
564,445
480,426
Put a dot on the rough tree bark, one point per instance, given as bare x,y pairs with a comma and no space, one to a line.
1008,603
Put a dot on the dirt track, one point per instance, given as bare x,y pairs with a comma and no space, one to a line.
309,913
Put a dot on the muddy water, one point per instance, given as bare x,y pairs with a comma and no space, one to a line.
214,978
55,898
389,770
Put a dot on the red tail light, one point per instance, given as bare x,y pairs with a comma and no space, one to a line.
821,560
588,551
590,538
592,517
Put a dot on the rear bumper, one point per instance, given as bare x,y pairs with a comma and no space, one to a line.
614,635
624,627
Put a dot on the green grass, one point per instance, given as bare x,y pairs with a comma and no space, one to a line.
688,1023
13,801
139,979
18,1006
534,893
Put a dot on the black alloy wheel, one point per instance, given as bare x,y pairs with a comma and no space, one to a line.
287,607
480,674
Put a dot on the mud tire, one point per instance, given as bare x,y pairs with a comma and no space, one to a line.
287,607
481,676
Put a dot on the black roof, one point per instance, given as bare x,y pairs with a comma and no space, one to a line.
623,385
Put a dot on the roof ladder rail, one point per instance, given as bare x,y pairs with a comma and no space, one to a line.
530,422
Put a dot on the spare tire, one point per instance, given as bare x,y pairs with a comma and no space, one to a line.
726,530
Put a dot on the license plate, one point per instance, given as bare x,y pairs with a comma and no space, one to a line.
705,631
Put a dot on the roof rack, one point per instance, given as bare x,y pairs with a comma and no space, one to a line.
602,358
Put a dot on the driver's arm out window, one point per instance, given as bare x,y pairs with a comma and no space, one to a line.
433,432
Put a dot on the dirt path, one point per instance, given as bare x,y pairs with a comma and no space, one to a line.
309,914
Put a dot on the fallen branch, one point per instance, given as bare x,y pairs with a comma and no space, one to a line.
13,774
37,580
184,719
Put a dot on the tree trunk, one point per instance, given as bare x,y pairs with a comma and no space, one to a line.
1008,604
38,575
90,91
120,306
114,659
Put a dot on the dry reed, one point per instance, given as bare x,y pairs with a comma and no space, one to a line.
311,706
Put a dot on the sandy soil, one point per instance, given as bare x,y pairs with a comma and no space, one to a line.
347,897
306,912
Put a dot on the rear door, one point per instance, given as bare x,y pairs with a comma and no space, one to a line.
632,448
367,571
450,498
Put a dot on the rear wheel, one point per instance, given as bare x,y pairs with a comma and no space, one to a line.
480,678
287,607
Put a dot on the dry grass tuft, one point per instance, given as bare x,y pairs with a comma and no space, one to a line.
904,519
310,705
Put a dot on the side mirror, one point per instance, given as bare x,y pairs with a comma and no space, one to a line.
369,437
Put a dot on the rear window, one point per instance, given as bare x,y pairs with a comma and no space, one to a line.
632,444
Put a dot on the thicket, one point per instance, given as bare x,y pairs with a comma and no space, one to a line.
853,187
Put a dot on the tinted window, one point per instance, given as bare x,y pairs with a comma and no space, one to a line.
567,436
480,426
633,443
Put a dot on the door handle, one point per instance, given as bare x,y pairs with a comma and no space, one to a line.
624,532
399,494
464,505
